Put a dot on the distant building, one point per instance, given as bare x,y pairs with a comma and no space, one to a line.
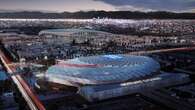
79,35
3,81
3,76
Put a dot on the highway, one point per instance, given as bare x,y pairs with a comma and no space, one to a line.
163,97
32,100
162,51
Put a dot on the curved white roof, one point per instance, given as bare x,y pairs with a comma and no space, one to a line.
104,69
63,32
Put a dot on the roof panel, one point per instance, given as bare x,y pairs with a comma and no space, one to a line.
110,69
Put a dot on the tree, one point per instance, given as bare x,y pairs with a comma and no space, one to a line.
73,42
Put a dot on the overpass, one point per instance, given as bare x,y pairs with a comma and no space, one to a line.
32,100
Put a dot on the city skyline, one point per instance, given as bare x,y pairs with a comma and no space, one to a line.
94,5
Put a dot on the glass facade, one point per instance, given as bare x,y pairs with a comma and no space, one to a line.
103,69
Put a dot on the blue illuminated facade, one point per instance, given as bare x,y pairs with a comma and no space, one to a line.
105,69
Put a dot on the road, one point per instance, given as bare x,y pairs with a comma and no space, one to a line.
164,98
162,51
32,100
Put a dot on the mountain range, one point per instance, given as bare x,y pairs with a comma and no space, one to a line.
94,14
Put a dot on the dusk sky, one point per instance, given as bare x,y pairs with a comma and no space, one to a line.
108,5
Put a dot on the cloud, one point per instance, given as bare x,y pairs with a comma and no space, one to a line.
132,8
55,5
108,5
161,5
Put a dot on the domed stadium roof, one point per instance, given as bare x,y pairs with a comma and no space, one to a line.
104,69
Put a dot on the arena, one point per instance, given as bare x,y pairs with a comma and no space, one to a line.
73,32
79,35
106,69
107,76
